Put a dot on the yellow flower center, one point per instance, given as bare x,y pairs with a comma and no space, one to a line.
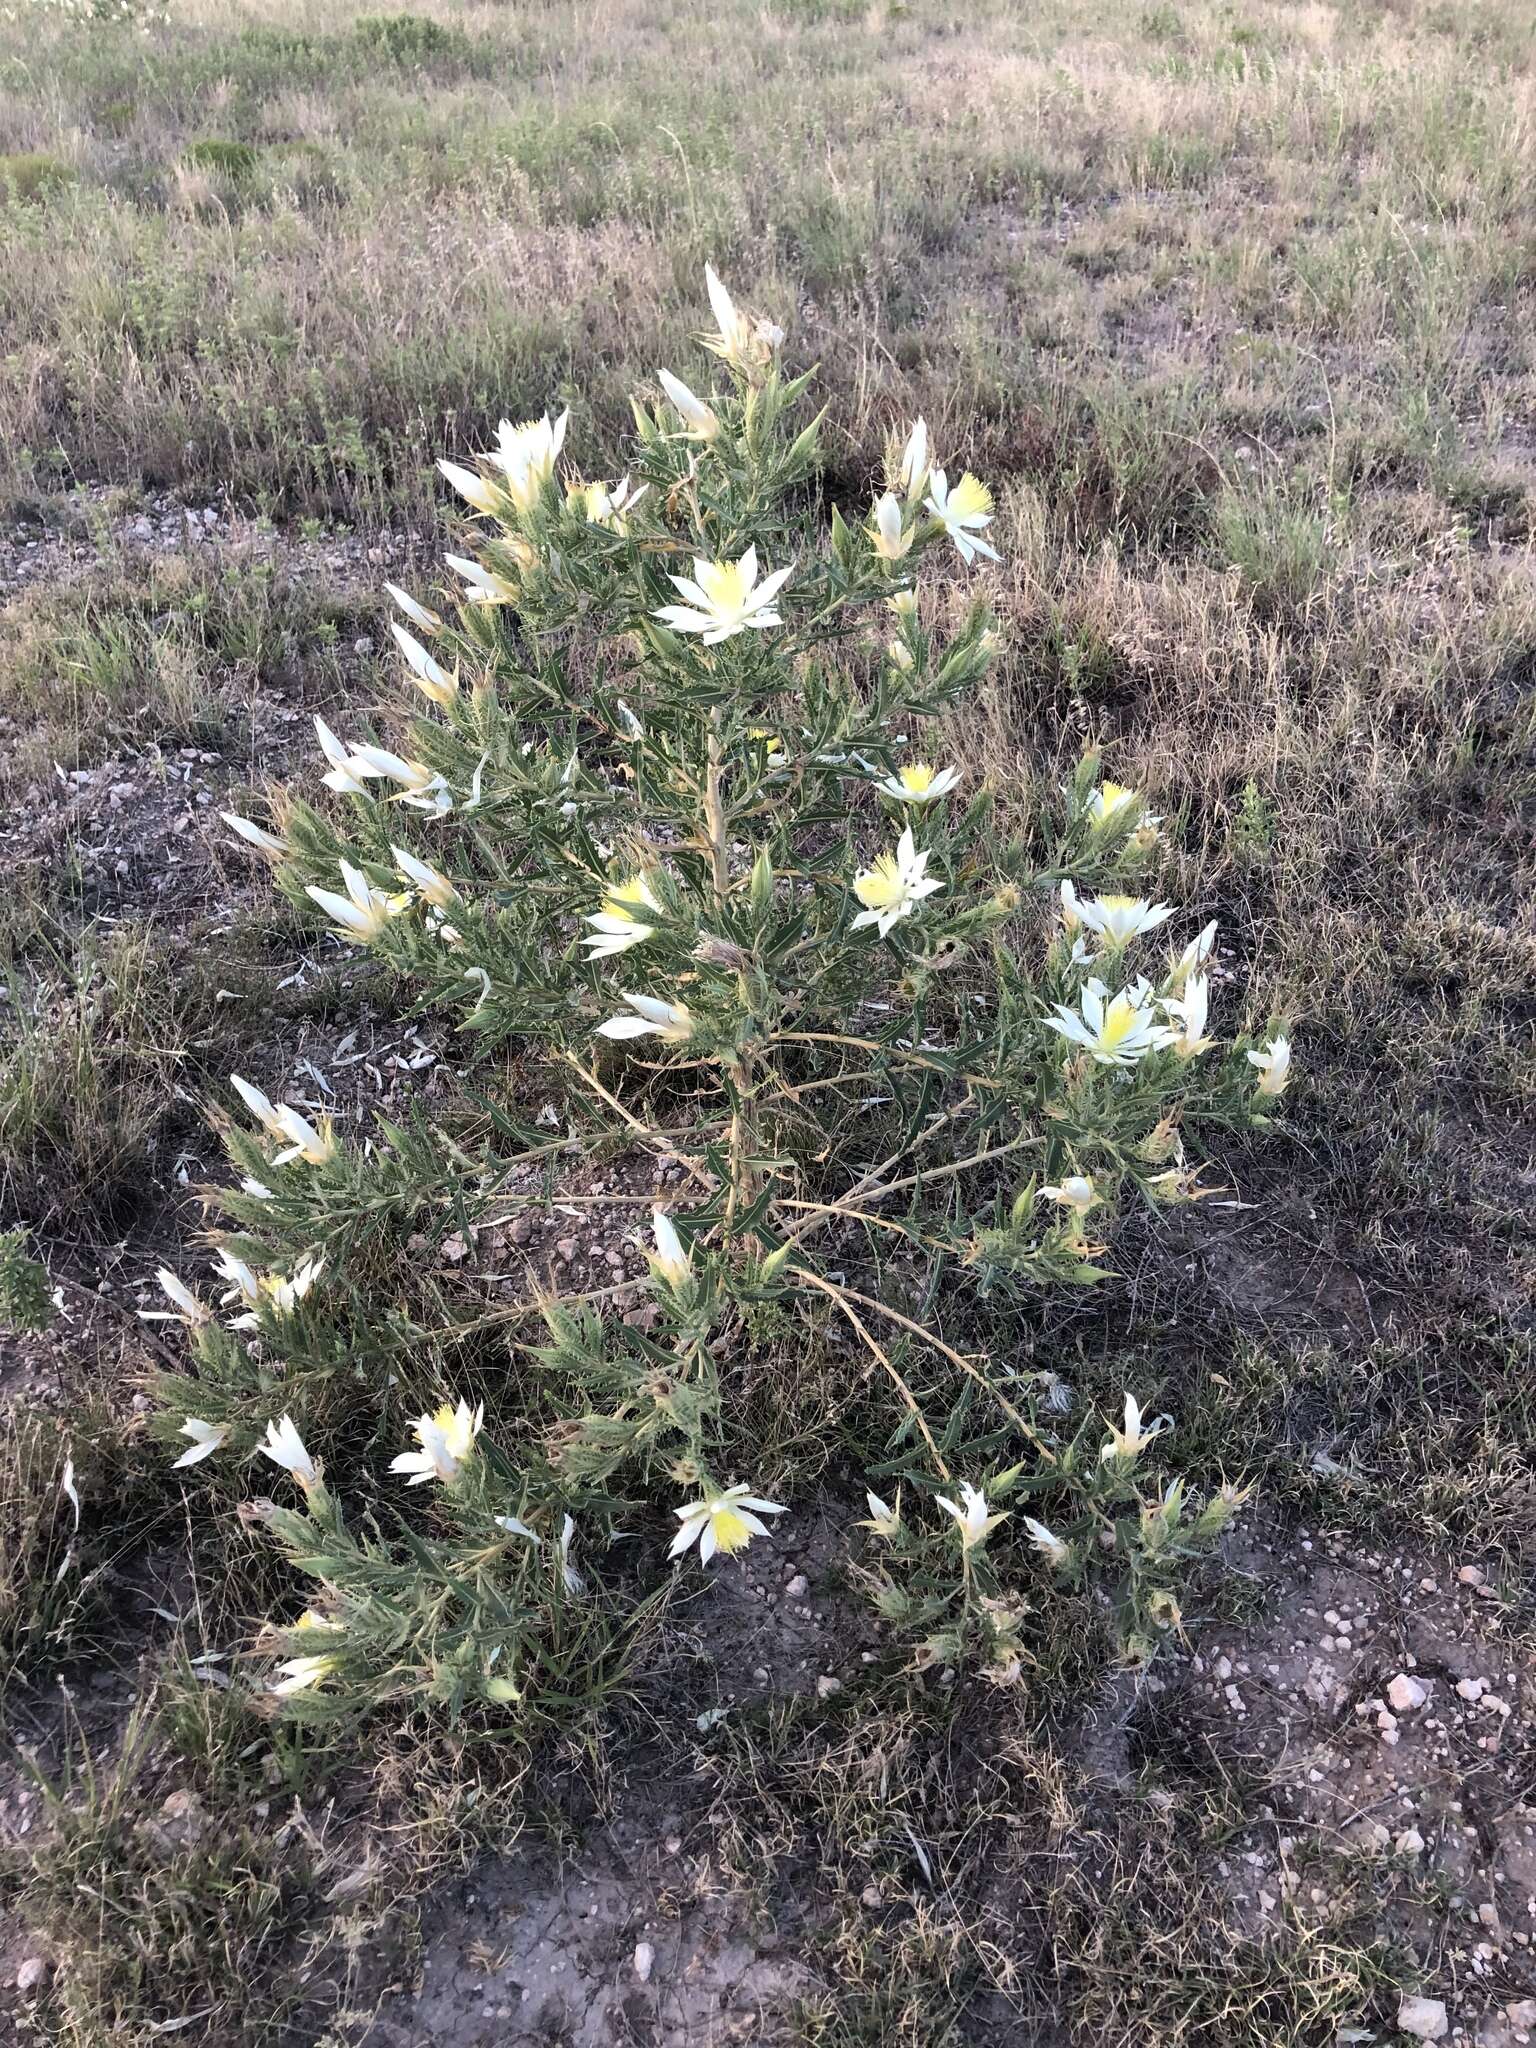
724,585
918,779
1119,1021
969,497
458,1432
880,887
731,1532
621,903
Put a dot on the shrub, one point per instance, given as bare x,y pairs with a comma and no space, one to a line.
676,833
408,38
32,174
233,160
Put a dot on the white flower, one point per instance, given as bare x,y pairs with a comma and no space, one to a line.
253,835
474,489
485,586
721,1521
185,1306
609,505
888,540
528,454
514,1527
615,927
1111,800
884,1520
962,512
341,777
300,1673
432,679
1189,1013
363,912
432,887
447,1438
671,1022
1118,1030
285,1447
277,1294
1076,1192
206,1438
917,783
669,1261
304,1141
970,1514
244,1286
1274,1065
1117,919
913,473
1129,1442
746,343
700,418
261,1106
421,787
894,886
418,614
1049,1544
899,655
724,598
1194,956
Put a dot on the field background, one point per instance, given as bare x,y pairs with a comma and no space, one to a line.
1233,307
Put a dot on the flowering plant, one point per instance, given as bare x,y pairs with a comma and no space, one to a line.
678,805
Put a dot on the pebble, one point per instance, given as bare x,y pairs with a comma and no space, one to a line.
31,1973
798,1587
645,1959
1425,2018
1405,1693
826,1686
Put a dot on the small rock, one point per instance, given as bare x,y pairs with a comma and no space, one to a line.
1409,1843
798,1587
826,1686
566,1247
1405,1693
1471,1688
1425,2018
645,1958
31,1973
